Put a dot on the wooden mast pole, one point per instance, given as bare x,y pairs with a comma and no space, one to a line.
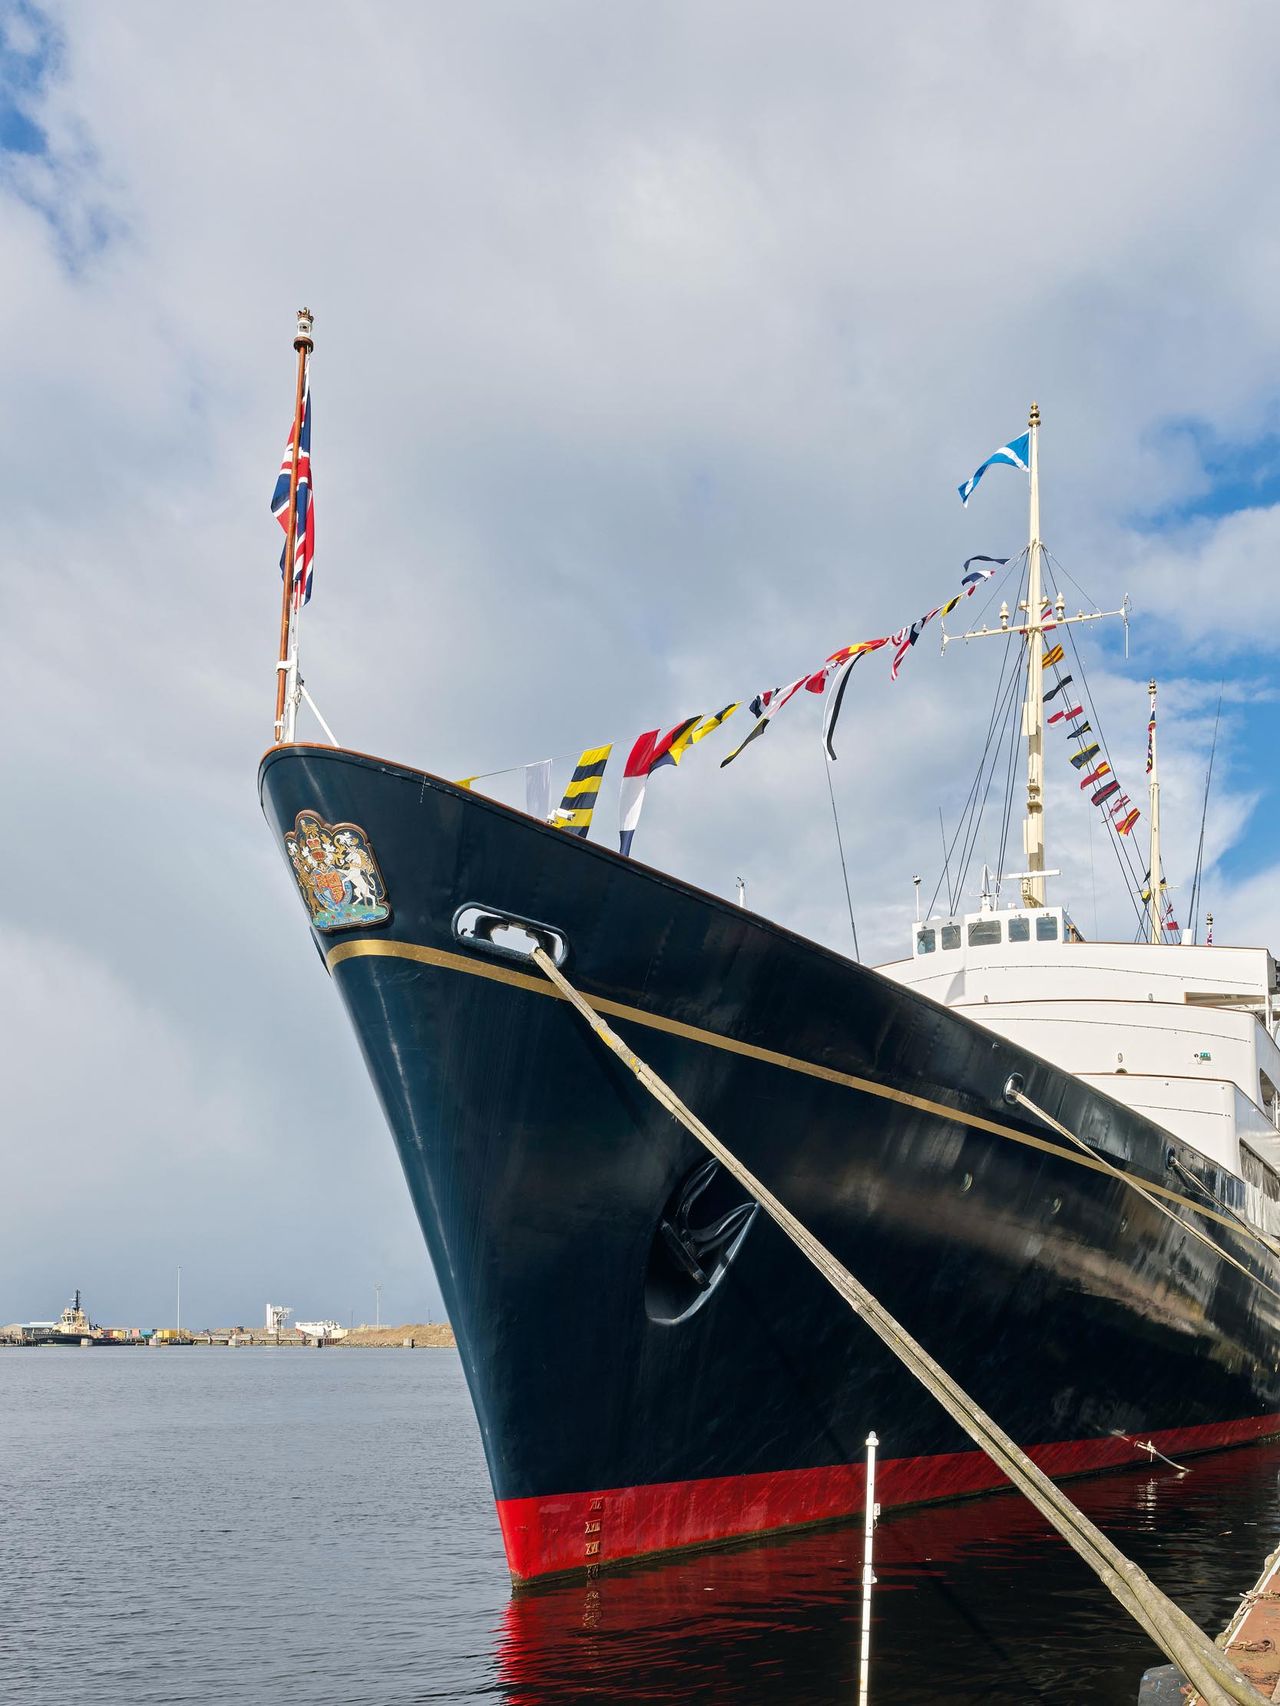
304,345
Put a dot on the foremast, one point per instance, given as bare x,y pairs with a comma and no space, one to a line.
1039,619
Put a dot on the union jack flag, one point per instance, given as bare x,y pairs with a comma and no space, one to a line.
305,548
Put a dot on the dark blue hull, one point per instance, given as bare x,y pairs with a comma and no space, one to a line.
651,1365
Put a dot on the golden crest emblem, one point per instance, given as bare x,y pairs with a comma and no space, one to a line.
337,873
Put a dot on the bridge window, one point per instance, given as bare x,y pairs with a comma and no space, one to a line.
1258,1173
1019,929
984,932
951,935
1047,927
926,941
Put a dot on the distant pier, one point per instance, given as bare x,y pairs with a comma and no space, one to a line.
412,1335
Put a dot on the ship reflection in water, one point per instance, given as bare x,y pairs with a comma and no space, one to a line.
977,1601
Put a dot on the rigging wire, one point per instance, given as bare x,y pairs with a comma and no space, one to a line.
966,829
946,864
1124,856
844,869
1204,813
1015,566
973,788
1014,657
1014,731
1009,701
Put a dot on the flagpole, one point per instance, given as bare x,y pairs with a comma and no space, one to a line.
287,664
1033,826
1155,927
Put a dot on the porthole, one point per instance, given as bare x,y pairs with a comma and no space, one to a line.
1055,1205
967,1182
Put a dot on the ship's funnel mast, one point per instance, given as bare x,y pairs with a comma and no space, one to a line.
1033,709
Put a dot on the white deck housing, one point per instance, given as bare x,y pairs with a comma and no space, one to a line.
1184,1035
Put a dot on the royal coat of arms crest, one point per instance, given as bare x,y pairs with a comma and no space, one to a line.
337,873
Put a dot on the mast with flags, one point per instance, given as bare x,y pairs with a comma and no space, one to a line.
291,505
1155,883
1042,616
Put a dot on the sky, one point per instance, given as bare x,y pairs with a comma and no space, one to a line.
652,343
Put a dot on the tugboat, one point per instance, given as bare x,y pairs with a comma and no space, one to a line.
1056,1162
73,1327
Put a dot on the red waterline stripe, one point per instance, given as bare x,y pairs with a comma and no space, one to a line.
553,1533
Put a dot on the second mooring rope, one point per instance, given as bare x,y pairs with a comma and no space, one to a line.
1186,1645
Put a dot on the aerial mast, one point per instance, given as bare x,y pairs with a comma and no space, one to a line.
1033,710
1155,888
287,664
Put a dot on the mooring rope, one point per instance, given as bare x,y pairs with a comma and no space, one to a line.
1186,1645
1016,1095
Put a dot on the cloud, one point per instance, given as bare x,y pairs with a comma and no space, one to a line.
651,346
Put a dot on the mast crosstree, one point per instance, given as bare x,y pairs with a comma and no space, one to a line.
1033,628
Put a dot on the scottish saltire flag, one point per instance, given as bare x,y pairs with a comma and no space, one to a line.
304,549
1015,454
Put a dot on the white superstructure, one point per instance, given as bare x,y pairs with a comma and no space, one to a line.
1184,1035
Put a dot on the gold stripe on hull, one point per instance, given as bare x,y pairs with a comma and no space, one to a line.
444,961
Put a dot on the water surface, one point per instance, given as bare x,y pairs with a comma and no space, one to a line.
289,1526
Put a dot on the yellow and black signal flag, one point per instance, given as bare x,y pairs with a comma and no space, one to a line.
707,726
690,732
1052,656
583,791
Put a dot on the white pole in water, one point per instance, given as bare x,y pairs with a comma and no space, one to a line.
1033,714
869,1516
